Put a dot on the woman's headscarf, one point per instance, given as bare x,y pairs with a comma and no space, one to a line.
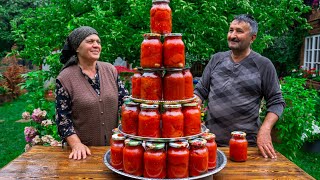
73,41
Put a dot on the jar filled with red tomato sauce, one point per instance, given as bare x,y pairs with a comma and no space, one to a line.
238,146
173,51
199,157
155,160
114,131
188,83
151,85
133,157
172,121
149,121
130,117
116,155
173,85
192,119
212,149
136,84
178,160
160,17
151,51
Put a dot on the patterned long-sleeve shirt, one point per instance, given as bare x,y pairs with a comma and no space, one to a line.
63,103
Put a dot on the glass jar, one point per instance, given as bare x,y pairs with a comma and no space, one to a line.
212,149
238,146
173,85
172,121
199,157
133,157
151,85
114,131
178,160
173,51
151,51
149,121
136,84
116,155
130,117
155,160
192,119
160,17
188,83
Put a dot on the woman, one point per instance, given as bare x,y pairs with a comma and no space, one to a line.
88,94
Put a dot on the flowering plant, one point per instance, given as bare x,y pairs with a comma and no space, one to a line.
304,72
42,130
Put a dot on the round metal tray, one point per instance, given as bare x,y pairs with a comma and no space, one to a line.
221,163
204,129
182,101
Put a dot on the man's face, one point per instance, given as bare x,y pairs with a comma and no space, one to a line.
239,36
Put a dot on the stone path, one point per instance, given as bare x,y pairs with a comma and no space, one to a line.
1,121
23,121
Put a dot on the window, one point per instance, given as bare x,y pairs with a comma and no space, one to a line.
312,52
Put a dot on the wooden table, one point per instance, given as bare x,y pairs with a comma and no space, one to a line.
52,162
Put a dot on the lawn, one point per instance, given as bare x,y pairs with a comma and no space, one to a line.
12,139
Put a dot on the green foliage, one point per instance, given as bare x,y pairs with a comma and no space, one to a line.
298,122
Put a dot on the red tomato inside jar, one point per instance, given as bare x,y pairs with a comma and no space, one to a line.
136,84
130,117
178,160
151,51
238,146
116,155
172,121
149,121
151,85
212,149
173,51
160,17
133,157
199,157
188,83
173,85
192,119
155,160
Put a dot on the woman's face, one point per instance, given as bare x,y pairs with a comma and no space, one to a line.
90,48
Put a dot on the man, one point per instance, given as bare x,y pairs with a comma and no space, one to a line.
234,82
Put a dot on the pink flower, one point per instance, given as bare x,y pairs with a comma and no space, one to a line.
26,115
29,133
38,115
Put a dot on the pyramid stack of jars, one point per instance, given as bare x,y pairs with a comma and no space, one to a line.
162,112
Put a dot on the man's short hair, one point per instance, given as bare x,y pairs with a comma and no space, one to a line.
247,18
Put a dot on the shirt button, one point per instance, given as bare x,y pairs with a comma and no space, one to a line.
100,100
102,124
101,112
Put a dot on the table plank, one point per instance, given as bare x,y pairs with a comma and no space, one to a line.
53,162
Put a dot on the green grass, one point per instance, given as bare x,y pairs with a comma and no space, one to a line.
12,141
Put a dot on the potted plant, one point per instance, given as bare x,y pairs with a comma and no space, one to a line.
49,92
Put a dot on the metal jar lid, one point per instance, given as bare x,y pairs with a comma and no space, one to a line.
147,35
130,104
118,137
179,144
190,104
172,106
173,35
153,1
238,134
198,142
208,136
149,106
132,142
153,145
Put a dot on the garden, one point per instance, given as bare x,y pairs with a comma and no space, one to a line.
38,30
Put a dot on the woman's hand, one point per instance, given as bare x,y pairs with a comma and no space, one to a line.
79,150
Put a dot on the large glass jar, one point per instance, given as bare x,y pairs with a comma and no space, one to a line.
172,121
173,51
114,131
149,121
151,85
130,117
198,162
178,160
173,85
238,146
116,155
188,83
151,51
136,84
155,160
212,149
192,119
160,17
133,157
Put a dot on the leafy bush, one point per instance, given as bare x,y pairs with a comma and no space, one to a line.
298,122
